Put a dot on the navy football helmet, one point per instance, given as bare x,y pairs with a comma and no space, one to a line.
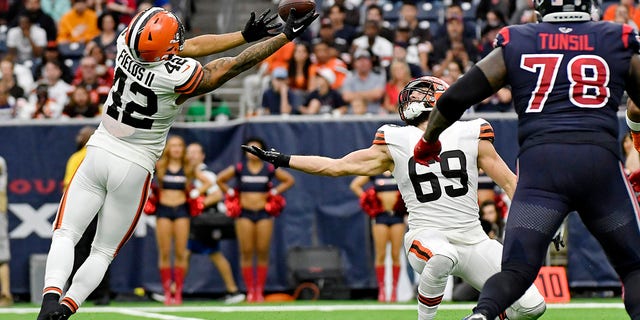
563,10
415,108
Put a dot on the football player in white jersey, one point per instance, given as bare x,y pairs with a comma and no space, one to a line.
154,75
445,236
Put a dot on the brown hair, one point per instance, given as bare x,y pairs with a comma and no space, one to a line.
163,163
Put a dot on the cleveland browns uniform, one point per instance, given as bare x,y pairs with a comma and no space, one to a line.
443,207
113,180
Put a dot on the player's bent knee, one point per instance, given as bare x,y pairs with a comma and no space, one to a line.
106,255
519,312
438,267
68,234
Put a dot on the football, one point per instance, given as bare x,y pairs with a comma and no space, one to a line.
302,8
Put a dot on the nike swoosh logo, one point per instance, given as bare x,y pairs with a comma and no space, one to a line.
185,70
297,29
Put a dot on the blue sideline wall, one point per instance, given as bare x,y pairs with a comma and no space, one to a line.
320,210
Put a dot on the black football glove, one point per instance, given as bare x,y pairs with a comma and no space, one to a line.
278,159
295,27
255,30
558,240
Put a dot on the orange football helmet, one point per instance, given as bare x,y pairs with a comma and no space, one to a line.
155,35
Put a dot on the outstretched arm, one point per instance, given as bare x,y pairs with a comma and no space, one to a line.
219,71
364,162
255,29
208,44
485,78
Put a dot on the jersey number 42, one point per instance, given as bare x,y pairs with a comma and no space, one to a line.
125,115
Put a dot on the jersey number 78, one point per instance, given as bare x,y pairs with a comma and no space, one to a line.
588,76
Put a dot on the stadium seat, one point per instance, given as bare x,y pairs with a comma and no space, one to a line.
431,11
391,11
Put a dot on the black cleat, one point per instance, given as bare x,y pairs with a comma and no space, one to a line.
50,308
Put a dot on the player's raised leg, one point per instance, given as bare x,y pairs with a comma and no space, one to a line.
79,204
127,192
433,257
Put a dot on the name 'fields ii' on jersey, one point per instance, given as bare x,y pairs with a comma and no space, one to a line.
135,69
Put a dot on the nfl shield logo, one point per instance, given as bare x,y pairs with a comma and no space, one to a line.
556,2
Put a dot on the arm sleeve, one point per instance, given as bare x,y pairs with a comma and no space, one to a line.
188,76
379,137
469,90
486,132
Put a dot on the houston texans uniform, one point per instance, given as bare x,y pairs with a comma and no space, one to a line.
113,179
567,79
443,205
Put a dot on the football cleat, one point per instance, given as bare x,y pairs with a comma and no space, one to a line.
475,316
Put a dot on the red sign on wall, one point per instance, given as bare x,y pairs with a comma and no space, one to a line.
552,284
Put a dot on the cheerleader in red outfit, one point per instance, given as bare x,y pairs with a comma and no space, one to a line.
254,220
384,204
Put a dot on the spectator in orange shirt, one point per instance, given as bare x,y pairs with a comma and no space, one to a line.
80,24
324,59
610,12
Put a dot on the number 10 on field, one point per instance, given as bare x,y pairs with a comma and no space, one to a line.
552,284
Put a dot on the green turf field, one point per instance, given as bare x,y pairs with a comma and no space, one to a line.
583,309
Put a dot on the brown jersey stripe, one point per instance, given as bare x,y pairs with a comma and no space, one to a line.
379,142
379,138
57,223
420,251
193,82
132,227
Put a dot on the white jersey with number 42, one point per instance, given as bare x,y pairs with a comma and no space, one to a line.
444,195
141,106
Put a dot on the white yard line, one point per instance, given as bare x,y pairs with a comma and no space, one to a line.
150,315
285,307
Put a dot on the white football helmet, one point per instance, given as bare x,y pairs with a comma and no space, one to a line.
419,97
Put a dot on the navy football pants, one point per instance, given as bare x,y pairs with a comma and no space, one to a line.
553,180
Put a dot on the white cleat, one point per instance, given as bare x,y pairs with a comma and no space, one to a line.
475,316
233,298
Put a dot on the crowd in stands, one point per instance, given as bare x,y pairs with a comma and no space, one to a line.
57,56
366,50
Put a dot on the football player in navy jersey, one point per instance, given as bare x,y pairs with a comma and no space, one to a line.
567,74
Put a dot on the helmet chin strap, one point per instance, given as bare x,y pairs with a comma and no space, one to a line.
414,109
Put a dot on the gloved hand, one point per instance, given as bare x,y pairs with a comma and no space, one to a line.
634,178
558,239
278,159
295,27
255,30
427,151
